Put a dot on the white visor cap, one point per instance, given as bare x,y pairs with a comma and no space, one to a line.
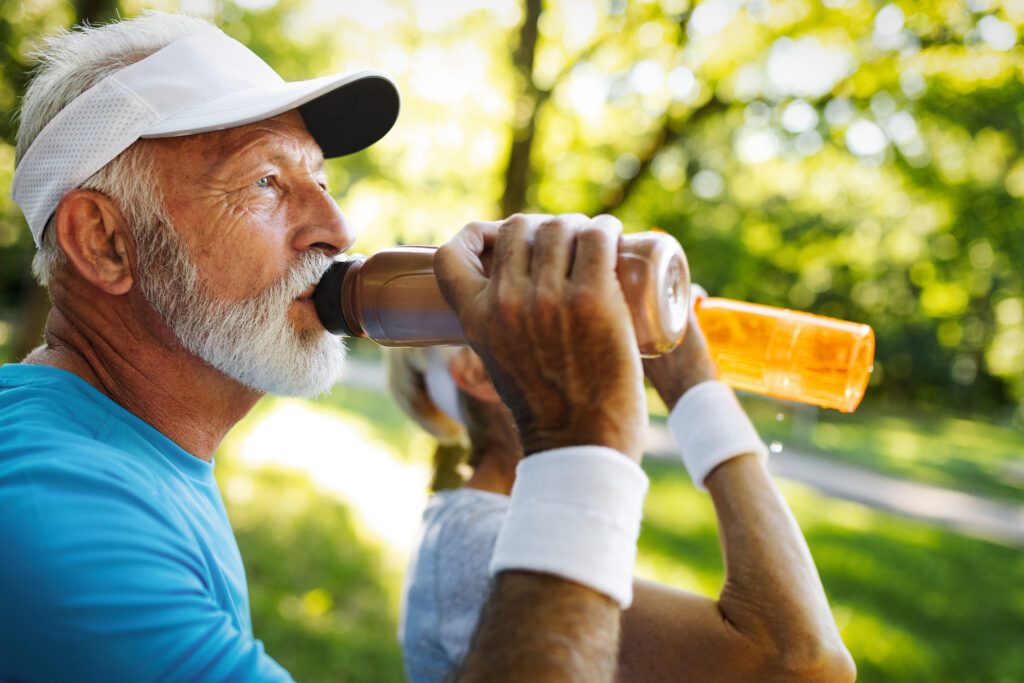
194,85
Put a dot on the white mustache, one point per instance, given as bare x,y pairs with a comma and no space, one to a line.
307,272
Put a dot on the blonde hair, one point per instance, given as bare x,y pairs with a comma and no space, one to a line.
406,372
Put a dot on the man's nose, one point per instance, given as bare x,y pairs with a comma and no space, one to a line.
323,226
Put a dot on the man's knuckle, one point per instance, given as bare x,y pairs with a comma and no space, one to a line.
575,219
593,235
548,229
585,300
555,223
549,237
507,300
514,222
609,219
546,300
442,255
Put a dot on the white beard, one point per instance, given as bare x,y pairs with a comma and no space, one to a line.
250,340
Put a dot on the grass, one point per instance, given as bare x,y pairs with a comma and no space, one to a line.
966,455
914,603
322,599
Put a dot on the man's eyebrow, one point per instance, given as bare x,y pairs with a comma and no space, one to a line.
237,152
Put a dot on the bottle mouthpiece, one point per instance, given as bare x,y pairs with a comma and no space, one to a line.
327,295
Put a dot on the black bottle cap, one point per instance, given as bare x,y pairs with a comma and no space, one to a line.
327,298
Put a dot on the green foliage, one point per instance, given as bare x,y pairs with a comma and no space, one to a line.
321,597
886,191
848,158
21,25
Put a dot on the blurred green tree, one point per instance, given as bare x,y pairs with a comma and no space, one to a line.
19,24
847,157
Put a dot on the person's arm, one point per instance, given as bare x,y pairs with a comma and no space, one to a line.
772,620
550,322
539,627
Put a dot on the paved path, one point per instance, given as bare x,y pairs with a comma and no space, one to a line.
961,512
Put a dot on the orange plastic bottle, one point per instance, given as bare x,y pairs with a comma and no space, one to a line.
787,354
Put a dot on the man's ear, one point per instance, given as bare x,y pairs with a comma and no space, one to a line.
470,375
94,235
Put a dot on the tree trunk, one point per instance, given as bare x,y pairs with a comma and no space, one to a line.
517,172
671,132
95,11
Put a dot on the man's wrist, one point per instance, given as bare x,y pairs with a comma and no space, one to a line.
711,427
575,513
624,439
673,391
673,388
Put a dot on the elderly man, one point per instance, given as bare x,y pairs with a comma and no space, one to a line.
174,185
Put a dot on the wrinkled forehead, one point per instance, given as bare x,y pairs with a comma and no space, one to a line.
282,138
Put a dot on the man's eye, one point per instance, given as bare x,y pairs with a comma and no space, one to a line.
263,182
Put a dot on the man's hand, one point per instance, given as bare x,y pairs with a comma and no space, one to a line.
686,366
550,322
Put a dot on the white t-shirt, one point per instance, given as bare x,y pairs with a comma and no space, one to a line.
448,582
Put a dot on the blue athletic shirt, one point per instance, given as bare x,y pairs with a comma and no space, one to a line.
117,560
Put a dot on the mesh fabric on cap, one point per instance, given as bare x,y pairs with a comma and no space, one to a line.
68,154
107,118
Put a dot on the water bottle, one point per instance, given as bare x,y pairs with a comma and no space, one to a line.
393,297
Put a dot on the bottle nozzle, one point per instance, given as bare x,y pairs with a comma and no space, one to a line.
327,295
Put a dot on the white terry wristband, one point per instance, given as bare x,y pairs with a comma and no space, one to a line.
711,427
575,512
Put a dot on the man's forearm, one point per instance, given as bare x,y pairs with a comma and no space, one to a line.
538,627
773,593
